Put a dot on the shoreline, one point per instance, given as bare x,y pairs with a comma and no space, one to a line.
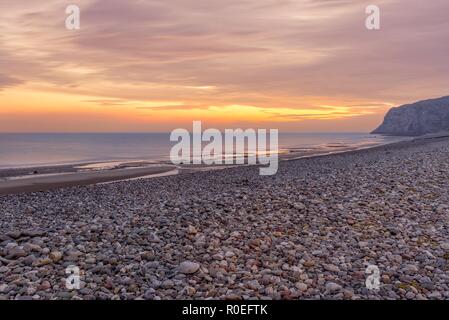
308,232
43,178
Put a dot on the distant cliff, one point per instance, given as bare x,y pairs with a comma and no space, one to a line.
423,117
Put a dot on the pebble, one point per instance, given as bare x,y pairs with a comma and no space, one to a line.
148,255
42,262
188,267
14,234
411,269
309,263
301,286
218,257
4,269
55,256
45,285
192,230
167,284
332,287
16,252
190,291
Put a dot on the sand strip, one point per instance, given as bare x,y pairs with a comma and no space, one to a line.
46,182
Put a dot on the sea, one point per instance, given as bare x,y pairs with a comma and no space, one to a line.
19,150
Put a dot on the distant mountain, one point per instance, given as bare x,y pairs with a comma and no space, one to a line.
423,117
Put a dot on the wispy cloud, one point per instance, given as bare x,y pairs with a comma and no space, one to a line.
266,53
7,81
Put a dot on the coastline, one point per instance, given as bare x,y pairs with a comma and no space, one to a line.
48,177
308,232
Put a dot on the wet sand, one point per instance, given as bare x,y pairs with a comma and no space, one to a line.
69,179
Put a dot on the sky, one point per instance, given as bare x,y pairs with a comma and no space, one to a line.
152,66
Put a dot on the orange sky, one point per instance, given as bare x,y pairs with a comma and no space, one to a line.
158,65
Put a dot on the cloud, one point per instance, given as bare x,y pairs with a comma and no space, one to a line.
7,81
268,52
109,102
174,108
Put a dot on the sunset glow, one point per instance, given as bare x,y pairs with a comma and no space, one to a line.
157,65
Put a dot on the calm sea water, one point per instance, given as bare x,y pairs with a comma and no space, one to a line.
26,149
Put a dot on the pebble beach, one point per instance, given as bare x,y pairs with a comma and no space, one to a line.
309,232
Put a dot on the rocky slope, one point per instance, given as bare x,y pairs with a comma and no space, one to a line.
423,117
